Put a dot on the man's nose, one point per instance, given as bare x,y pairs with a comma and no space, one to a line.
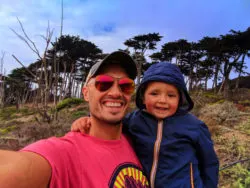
115,90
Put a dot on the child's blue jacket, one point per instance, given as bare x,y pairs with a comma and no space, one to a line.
184,155
176,151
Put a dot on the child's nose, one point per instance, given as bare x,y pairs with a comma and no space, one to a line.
163,98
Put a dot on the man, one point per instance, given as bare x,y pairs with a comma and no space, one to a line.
104,158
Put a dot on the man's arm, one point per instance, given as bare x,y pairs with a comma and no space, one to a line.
23,170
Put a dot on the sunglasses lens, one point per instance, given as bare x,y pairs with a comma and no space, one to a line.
127,85
103,82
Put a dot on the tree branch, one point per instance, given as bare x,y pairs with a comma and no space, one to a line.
26,39
23,66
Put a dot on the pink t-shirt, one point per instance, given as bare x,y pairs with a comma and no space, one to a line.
82,161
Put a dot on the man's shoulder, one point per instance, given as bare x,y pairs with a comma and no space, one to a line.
65,142
69,138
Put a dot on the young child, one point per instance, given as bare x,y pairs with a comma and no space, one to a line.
174,147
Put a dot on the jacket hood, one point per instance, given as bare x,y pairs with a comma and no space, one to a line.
168,73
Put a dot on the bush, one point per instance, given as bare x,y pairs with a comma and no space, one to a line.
79,114
237,176
7,112
7,130
232,148
225,112
244,126
11,112
69,102
245,102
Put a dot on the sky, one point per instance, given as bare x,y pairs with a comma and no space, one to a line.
108,23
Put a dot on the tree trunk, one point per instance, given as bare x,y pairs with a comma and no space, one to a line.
139,69
226,81
2,80
206,80
216,73
63,81
240,71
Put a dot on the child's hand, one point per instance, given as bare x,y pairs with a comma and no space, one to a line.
81,125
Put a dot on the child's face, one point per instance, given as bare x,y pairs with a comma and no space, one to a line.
161,99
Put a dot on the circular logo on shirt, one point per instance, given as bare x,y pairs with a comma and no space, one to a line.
128,176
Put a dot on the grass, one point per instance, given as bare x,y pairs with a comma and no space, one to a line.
69,102
245,102
11,113
6,130
231,150
79,114
237,176
7,112
244,126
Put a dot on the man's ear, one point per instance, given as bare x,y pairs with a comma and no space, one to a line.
85,92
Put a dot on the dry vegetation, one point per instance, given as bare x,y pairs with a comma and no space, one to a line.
228,122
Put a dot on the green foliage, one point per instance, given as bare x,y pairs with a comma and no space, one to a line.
6,112
220,101
76,50
142,42
234,149
11,112
225,112
79,114
245,102
26,111
245,126
212,95
69,102
238,175
7,129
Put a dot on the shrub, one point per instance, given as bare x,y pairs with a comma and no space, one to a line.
69,102
79,114
245,102
7,112
237,176
225,112
7,129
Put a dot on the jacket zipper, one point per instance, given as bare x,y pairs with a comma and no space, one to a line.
156,153
191,175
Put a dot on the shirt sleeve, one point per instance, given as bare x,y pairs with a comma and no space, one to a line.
209,163
57,152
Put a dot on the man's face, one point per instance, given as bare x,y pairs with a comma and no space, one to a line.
108,106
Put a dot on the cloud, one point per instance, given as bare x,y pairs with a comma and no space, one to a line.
108,23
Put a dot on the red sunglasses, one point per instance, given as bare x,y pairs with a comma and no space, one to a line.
105,82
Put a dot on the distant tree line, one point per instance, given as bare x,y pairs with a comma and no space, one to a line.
61,72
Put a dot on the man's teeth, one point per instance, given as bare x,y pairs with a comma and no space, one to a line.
113,104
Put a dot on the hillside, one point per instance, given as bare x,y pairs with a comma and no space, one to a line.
229,123
244,82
